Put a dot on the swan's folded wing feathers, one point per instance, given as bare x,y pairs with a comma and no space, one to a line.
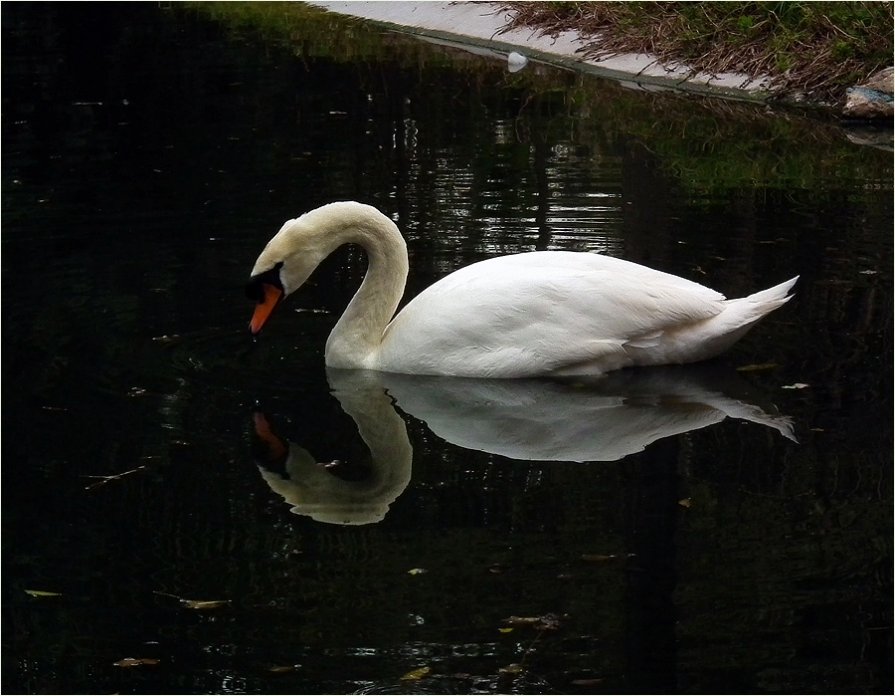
659,305
514,312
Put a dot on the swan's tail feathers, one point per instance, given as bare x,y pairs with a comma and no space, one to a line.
742,312
738,317
772,298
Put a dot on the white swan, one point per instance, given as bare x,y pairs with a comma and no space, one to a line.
531,314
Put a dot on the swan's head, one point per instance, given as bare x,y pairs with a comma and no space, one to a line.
301,244
285,264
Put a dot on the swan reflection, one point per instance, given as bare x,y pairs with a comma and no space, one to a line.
603,420
341,492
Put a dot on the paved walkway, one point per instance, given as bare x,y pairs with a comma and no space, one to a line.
476,25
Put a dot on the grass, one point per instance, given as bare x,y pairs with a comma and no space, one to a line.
817,49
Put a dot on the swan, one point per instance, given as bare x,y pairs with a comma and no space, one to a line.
538,313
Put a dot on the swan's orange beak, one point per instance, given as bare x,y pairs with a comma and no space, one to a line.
272,297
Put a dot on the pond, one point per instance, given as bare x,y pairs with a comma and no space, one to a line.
188,511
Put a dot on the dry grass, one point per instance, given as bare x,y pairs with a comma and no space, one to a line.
814,48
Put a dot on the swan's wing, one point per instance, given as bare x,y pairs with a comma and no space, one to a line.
538,313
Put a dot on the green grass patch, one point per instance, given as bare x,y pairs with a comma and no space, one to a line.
816,48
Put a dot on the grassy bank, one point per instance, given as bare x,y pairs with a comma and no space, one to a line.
817,49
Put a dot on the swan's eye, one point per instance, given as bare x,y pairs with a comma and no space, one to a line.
255,287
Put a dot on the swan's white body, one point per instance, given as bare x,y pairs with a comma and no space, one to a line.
530,314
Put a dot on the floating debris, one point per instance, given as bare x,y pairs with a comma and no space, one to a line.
417,674
136,661
42,593
548,622
758,367
597,557
283,669
514,668
516,61
103,480
196,604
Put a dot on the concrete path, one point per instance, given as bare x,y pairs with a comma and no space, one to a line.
476,26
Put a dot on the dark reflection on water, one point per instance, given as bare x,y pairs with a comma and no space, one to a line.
148,155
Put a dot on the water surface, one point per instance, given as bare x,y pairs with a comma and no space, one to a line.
663,528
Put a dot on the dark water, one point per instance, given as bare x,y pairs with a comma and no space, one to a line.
150,151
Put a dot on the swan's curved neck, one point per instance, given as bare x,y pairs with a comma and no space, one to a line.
356,338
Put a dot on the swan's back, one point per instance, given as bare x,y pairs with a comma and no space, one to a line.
549,312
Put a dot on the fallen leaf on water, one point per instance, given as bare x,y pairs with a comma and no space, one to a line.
507,629
514,668
417,571
416,674
597,557
796,385
686,502
43,593
197,604
135,661
204,604
545,622
757,367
